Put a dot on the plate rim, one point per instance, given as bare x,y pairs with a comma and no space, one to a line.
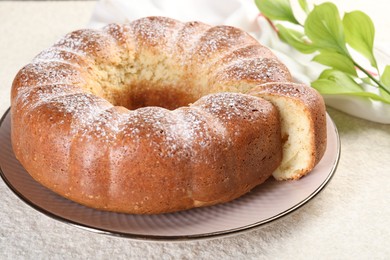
178,238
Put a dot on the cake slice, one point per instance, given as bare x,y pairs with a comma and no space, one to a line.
303,122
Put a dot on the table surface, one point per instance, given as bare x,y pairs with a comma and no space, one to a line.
350,219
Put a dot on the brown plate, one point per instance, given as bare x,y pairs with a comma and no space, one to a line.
266,203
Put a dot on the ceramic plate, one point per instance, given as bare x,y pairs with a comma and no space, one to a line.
266,203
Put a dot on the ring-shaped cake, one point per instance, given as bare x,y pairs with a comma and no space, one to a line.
158,116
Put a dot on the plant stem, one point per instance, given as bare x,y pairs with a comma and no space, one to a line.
377,82
380,85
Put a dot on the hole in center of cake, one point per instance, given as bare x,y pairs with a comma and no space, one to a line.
134,88
146,95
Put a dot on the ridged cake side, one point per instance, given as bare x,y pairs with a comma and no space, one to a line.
85,122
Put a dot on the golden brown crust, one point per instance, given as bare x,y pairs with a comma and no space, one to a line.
75,130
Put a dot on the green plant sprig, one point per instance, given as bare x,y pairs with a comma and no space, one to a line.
328,37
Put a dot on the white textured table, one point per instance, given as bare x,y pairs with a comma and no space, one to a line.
350,219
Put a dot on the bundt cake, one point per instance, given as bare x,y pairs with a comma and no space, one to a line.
158,116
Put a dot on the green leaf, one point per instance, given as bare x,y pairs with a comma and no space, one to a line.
385,95
326,35
385,78
359,34
328,87
367,80
324,28
296,39
342,79
277,10
337,61
304,6
333,82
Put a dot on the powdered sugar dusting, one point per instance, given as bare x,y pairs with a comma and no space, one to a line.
260,70
241,53
221,38
192,128
154,31
288,89
34,96
181,133
62,56
83,107
118,32
49,73
171,133
86,41
229,107
187,40
103,127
